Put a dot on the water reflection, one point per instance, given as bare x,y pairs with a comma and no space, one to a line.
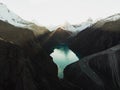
63,56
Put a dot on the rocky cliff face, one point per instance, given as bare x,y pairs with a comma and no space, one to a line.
19,71
99,71
28,68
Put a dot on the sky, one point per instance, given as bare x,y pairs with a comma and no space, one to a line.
56,12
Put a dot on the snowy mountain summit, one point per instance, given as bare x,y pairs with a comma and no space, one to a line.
68,26
10,17
77,28
113,17
84,25
101,22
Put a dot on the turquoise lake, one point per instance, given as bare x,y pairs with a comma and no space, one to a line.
63,56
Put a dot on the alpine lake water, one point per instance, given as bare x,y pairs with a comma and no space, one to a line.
63,56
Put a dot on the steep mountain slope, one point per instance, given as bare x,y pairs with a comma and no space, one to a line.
19,71
110,19
51,39
68,26
16,30
8,16
84,25
99,71
14,34
77,28
100,36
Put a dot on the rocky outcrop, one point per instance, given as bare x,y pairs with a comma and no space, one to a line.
100,71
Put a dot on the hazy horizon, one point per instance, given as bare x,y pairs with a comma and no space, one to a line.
56,12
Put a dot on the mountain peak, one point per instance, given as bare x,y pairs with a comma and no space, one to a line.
68,26
101,22
113,17
8,16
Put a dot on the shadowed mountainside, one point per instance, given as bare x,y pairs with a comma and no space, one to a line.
25,62
19,35
14,34
96,39
99,71
28,68
51,39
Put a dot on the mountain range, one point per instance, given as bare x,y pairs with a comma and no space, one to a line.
26,64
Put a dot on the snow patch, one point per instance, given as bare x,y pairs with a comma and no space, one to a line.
77,28
68,26
8,16
84,25
113,18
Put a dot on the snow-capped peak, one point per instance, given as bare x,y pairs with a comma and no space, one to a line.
84,25
10,17
113,17
101,22
78,27
68,26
